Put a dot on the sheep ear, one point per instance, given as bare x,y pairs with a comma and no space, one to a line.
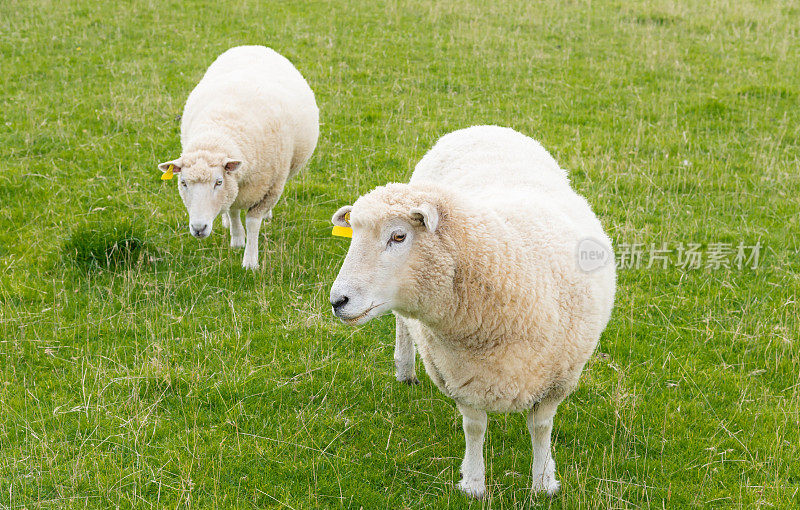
231,165
175,164
341,218
428,215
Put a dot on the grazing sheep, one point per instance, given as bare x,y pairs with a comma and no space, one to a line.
249,125
478,259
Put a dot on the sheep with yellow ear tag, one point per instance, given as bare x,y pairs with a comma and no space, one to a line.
478,257
249,125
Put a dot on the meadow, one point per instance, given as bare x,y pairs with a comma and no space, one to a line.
142,368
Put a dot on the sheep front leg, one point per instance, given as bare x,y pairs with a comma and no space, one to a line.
237,231
540,426
253,224
404,353
473,481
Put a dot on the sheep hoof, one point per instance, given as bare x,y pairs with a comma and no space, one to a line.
410,380
250,264
548,485
237,242
472,488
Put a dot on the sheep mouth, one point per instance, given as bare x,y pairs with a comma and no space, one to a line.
362,315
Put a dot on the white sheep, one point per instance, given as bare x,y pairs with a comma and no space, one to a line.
478,257
250,124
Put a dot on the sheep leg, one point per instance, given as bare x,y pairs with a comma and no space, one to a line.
237,231
540,425
472,468
404,353
252,223
226,219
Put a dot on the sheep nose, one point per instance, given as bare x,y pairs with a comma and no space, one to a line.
339,302
199,229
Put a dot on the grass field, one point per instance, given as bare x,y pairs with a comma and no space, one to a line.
170,377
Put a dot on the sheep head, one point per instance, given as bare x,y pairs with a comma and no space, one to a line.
207,184
395,256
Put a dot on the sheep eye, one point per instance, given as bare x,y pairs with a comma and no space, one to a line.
398,237
218,183
183,183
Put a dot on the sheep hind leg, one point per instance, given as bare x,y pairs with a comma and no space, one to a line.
237,231
404,353
473,471
540,426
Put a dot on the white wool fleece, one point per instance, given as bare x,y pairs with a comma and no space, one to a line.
477,258
249,125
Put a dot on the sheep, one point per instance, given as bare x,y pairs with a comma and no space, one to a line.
477,257
249,125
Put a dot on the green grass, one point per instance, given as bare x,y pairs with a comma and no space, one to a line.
172,378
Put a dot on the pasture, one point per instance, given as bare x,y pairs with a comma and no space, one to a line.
142,368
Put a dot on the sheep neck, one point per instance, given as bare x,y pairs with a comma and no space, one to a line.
213,140
483,302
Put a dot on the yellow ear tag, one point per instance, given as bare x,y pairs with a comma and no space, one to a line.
168,174
342,231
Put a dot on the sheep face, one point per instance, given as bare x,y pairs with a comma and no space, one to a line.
207,184
381,271
368,282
